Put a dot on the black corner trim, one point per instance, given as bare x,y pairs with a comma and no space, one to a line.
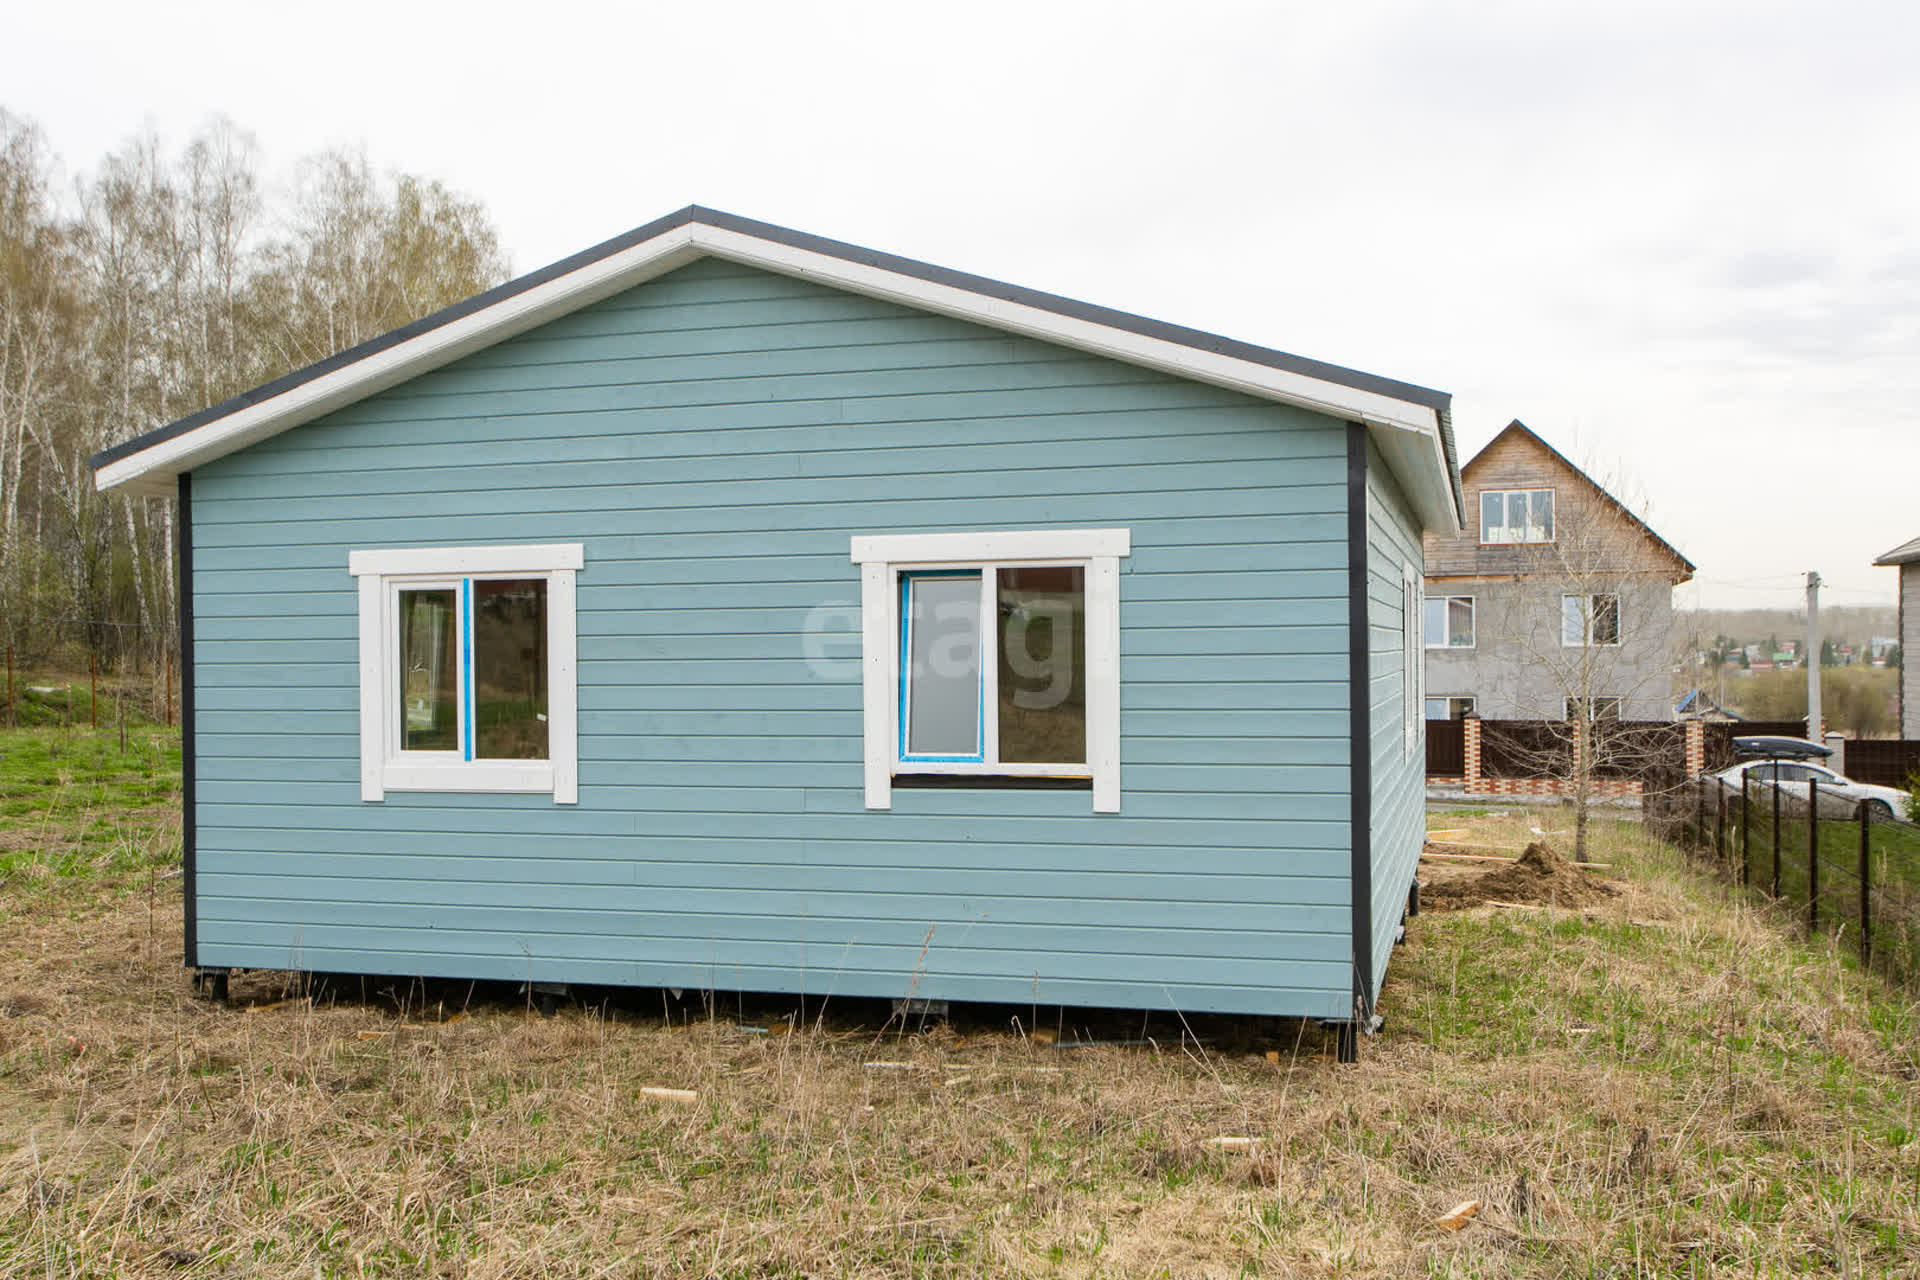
982,285
190,942
1361,813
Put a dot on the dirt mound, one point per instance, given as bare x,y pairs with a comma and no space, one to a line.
1540,876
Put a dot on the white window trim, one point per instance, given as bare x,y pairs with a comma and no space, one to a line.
881,559
1446,634
1480,519
384,766
1413,661
1587,615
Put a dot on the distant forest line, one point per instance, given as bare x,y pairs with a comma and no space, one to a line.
151,285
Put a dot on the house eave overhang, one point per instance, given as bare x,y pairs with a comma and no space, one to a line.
1905,553
1407,422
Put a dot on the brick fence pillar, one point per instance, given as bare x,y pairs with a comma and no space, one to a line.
1696,748
1470,735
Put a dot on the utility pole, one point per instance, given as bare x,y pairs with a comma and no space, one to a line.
1814,726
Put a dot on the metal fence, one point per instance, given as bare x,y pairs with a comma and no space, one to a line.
64,679
1889,762
1848,870
1446,748
1644,750
1525,749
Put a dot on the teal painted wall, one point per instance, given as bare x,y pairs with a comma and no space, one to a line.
1399,771
714,438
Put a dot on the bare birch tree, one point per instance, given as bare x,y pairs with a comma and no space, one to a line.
155,291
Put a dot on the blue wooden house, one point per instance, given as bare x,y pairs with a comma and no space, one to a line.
725,607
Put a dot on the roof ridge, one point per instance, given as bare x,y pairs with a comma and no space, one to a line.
1354,379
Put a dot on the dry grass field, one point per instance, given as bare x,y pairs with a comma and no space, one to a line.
1662,1084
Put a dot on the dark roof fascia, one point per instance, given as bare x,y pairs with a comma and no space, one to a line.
1439,401
1596,486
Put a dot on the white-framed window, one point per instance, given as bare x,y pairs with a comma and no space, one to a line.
1455,708
1516,515
1602,708
1449,622
992,656
1413,663
1589,620
468,678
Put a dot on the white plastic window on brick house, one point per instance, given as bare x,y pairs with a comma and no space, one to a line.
1589,620
1516,516
468,676
1448,622
992,656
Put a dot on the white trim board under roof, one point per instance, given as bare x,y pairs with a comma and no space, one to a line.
1410,424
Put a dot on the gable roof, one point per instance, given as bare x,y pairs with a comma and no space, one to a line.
1905,553
1412,425
1683,565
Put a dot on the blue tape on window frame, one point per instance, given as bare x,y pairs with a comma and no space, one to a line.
906,666
466,666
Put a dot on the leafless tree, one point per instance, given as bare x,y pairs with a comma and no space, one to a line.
1586,634
164,285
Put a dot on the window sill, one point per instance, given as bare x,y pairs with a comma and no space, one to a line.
988,782
502,776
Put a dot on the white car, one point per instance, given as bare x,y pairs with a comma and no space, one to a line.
1792,777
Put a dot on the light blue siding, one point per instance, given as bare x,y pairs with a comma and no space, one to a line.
1399,768
714,438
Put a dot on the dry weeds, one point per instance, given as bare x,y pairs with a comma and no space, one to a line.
1661,1085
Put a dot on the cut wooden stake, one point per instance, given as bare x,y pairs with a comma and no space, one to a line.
1458,1216
1232,1142
671,1095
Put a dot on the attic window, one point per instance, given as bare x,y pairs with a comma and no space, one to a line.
1516,516
467,670
992,658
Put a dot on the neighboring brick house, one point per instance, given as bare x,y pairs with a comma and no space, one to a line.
1907,558
1555,590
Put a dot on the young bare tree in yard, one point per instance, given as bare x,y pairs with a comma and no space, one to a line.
1554,607
1593,638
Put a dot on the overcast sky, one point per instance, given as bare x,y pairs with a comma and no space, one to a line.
1681,240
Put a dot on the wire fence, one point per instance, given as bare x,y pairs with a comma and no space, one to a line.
1848,869
91,672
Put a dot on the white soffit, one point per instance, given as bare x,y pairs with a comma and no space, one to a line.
152,470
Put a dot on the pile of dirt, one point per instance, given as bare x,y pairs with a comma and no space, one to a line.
1539,876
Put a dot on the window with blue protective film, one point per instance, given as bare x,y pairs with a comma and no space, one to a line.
940,666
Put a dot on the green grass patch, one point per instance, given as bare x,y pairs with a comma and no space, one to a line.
78,804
